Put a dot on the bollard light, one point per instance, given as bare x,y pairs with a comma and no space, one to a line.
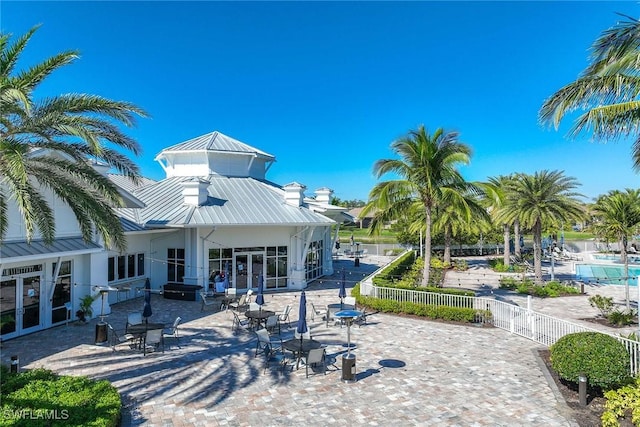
582,389
15,364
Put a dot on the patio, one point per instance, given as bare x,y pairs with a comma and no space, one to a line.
411,371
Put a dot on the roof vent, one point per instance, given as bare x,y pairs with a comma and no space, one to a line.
294,194
195,191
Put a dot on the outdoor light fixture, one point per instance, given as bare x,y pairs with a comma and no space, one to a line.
582,389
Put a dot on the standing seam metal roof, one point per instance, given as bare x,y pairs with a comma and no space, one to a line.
215,141
231,201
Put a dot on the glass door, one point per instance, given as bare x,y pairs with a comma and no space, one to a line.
249,267
8,307
30,303
20,305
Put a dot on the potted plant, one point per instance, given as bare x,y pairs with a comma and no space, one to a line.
85,312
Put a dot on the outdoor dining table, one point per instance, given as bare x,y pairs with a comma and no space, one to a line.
141,328
299,347
332,309
258,316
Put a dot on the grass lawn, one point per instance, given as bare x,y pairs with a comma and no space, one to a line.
362,236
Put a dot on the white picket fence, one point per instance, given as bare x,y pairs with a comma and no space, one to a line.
517,320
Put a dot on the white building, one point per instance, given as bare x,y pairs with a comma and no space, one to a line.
214,211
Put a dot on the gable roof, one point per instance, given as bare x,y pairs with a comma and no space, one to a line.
215,141
231,201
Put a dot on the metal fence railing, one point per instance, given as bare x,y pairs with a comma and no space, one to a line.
522,321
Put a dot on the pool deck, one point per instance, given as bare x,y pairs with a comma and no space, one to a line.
410,372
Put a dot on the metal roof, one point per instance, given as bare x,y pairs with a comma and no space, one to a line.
231,201
215,141
66,246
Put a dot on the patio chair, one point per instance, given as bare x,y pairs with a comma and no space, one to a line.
266,339
153,339
274,356
240,304
133,319
207,300
314,357
173,330
362,319
115,339
284,315
239,324
249,294
319,312
273,324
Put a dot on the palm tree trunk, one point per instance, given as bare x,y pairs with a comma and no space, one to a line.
427,248
507,247
516,238
625,259
447,245
537,251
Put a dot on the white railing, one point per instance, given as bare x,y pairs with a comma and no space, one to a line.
522,321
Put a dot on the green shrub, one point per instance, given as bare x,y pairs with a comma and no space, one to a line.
621,318
526,286
55,400
442,312
602,358
619,402
498,265
604,304
460,265
509,283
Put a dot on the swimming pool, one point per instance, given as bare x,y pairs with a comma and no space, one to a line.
633,259
606,274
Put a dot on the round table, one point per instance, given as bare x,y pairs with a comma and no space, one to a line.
332,309
259,316
300,346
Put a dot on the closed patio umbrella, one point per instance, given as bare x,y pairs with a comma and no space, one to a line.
343,291
226,275
146,312
259,296
302,328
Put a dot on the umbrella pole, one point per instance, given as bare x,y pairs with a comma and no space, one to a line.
348,338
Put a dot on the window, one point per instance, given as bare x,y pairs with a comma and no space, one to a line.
126,266
277,267
218,260
315,259
175,265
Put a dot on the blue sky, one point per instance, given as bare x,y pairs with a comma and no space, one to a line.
327,86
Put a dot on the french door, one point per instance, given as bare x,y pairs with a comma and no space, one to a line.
248,268
20,305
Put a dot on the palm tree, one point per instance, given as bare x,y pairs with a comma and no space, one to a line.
428,179
542,199
608,89
45,146
458,216
619,215
500,201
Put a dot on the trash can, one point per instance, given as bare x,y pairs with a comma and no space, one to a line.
349,368
101,333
